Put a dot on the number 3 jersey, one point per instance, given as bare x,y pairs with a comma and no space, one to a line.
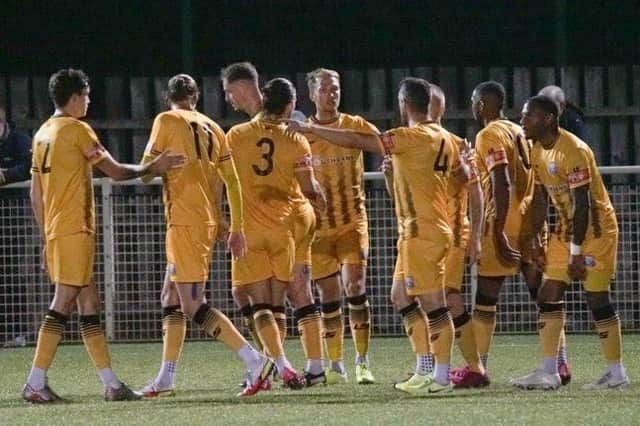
64,150
503,142
267,161
423,159
188,192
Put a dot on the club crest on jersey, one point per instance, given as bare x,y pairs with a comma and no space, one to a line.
553,168
589,261
409,283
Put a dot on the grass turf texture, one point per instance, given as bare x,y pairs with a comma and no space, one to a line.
208,377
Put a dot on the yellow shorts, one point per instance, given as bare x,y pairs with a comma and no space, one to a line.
491,264
600,258
270,253
454,267
304,228
348,245
70,259
421,265
189,251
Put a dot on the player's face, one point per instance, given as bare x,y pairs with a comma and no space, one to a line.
476,106
235,94
533,121
327,94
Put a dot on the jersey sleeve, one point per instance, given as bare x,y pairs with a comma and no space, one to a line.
302,159
159,138
224,153
89,144
395,141
362,125
490,150
578,168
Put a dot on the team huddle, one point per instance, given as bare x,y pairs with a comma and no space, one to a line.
298,219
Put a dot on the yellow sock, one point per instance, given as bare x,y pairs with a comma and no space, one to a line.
333,330
484,324
267,329
217,325
610,334
360,323
415,325
467,342
247,320
94,341
174,329
550,325
310,326
441,335
49,337
281,319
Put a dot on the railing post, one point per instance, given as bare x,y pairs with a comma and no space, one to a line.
108,255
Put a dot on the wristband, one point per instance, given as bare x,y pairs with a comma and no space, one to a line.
575,250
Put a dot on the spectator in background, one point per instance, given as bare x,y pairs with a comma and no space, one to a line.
15,152
571,117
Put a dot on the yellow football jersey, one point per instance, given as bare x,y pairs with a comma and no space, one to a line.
423,158
266,160
503,142
64,150
339,171
570,163
188,192
458,197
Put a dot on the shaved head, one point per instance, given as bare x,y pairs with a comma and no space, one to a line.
556,94
437,103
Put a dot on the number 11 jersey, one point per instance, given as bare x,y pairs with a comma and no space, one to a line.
267,160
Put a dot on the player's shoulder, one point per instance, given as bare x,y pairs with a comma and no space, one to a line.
169,118
351,119
242,128
571,142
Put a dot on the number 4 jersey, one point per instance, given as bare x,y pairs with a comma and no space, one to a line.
503,142
64,150
189,195
267,160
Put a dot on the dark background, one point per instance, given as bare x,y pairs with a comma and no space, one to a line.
147,38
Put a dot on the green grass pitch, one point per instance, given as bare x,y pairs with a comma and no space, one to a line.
208,375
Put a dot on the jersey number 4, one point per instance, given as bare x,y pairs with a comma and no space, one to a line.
442,161
266,156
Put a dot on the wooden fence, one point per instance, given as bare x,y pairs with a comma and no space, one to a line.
123,107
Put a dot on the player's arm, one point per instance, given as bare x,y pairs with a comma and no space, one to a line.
387,170
476,209
155,167
539,208
346,138
223,224
236,240
581,207
501,186
37,204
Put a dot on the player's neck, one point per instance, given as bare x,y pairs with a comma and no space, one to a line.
550,138
63,112
187,106
325,117
417,118
494,117
255,105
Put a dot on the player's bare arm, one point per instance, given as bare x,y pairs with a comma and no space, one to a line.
37,206
502,195
346,138
311,189
581,204
387,170
539,206
156,167
476,208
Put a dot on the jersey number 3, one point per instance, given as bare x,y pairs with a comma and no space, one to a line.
266,156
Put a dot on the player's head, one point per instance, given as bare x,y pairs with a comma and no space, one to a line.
279,97
69,91
240,84
487,100
437,103
324,89
182,90
539,117
413,97
557,94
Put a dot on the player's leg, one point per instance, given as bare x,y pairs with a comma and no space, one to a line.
88,303
174,328
551,319
484,313
244,305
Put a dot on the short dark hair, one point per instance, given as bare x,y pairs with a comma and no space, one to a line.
66,83
417,92
181,87
545,103
492,88
277,94
239,71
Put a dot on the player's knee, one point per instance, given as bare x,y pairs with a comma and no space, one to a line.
169,296
239,296
354,280
455,302
399,297
300,295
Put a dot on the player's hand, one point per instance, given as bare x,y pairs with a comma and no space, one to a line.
319,203
539,255
237,245
386,166
166,161
475,251
576,269
508,254
295,126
